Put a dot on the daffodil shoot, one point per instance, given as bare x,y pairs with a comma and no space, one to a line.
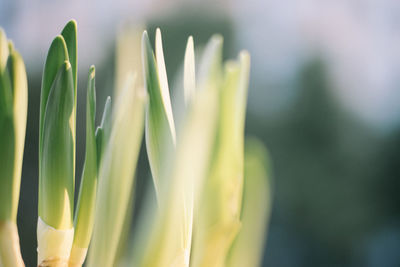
209,198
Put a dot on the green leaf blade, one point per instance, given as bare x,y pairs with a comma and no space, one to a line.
5,79
69,33
56,57
116,175
257,202
13,113
20,107
70,36
159,130
7,154
84,217
56,178
104,130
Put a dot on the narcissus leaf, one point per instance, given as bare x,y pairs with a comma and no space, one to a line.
70,36
56,57
221,202
171,239
160,129
13,112
116,175
84,217
20,106
3,50
7,155
248,247
56,181
103,131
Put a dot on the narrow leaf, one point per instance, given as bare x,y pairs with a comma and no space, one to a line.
56,179
210,63
7,155
164,90
160,134
12,132
20,106
171,239
70,36
5,79
116,175
3,50
84,217
249,244
221,202
56,57
103,131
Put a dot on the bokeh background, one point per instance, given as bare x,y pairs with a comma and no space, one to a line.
324,97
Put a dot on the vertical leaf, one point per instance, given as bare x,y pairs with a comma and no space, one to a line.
56,181
84,217
3,50
70,36
164,90
248,247
13,111
56,57
116,175
5,79
20,106
160,131
103,131
13,99
222,197
7,155
171,239
7,135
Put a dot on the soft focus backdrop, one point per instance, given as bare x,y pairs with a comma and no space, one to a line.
324,97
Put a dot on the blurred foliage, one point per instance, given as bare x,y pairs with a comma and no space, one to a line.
327,167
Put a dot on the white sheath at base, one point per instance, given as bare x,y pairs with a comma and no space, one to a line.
10,253
54,246
77,256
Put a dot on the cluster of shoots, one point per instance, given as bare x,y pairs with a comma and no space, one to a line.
211,186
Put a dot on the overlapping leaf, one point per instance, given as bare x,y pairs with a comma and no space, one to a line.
160,129
249,244
56,187
84,217
57,131
116,175
13,113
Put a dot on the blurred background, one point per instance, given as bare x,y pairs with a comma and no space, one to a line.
324,97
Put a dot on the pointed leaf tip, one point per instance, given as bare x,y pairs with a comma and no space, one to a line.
189,76
163,80
92,72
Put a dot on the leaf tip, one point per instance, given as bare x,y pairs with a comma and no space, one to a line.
67,65
71,24
92,72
